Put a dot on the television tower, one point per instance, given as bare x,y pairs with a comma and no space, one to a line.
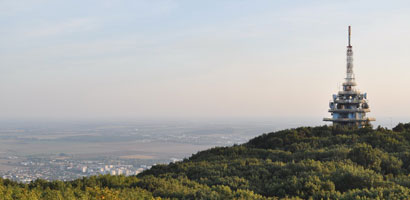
349,106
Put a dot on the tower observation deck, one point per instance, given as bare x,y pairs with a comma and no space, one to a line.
349,106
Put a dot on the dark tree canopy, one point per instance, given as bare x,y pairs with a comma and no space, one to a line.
303,163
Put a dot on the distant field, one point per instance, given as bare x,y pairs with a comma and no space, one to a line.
6,164
137,157
144,150
139,143
137,140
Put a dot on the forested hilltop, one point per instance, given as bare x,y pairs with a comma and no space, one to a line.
304,163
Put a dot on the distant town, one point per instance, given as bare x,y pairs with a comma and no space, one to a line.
65,168
67,151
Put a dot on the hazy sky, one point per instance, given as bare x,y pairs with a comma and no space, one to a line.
199,59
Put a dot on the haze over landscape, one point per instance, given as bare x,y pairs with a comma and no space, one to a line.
117,60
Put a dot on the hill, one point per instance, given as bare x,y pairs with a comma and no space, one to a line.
304,163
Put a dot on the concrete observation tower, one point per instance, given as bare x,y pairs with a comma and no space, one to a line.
349,106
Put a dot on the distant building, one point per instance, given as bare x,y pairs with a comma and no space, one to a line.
139,170
84,169
349,106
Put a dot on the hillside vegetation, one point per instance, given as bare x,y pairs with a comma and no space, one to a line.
303,163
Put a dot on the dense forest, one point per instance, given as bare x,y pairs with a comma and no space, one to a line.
304,163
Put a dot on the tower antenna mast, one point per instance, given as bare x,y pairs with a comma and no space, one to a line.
349,36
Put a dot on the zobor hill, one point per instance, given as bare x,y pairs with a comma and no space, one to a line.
304,163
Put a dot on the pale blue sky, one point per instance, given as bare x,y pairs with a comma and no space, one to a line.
199,59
